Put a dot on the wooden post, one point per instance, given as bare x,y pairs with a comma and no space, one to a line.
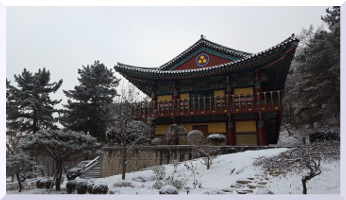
231,139
261,134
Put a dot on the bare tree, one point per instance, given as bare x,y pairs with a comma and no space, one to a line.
311,161
126,132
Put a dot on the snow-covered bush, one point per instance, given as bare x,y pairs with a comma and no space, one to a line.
82,187
99,189
216,138
156,141
168,189
160,174
45,183
177,182
195,137
73,173
90,188
71,186
192,168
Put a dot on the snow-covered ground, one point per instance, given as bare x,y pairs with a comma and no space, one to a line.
231,174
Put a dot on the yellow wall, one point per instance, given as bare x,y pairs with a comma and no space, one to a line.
243,91
215,127
184,96
219,93
246,139
245,126
161,129
164,98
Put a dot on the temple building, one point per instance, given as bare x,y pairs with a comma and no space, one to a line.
217,89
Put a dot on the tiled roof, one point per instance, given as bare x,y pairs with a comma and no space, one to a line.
246,63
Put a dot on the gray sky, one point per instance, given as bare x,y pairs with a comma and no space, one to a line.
63,39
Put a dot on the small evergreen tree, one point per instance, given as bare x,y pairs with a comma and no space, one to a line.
86,109
60,146
29,106
17,164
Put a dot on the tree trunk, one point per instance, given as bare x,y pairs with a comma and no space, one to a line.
19,183
58,175
124,160
208,163
304,180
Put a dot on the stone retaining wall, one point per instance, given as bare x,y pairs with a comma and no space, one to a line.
146,156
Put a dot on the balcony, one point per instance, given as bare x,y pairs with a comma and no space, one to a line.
268,101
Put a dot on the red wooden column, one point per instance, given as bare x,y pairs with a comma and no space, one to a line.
154,112
231,140
261,133
257,87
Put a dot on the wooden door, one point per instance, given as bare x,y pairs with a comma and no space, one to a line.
246,133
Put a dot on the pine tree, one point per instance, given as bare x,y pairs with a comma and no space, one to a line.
86,109
29,106
314,91
60,146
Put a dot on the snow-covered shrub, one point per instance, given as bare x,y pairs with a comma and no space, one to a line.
156,141
168,189
123,184
45,183
192,168
160,174
73,173
82,187
90,188
158,184
177,182
195,137
216,138
100,189
71,186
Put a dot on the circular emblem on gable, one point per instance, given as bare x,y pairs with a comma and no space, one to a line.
202,60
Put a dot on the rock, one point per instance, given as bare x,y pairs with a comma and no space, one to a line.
251,186
262,183
244,191
143,179
226,190
243,182
250,178
168,189
236,186
214,192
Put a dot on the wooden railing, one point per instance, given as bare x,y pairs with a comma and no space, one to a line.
204,105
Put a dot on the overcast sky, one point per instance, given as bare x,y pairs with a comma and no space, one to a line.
64,39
